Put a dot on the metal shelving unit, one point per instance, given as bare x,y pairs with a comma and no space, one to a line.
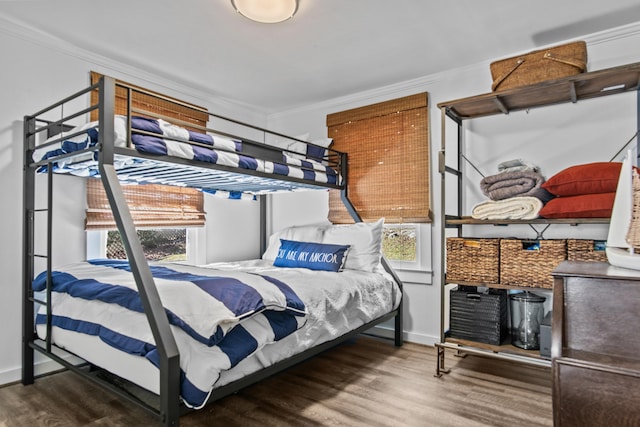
575,88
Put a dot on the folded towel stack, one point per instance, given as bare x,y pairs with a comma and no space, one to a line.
515,192
515,184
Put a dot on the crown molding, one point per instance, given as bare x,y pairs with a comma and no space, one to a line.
369,96
21,30
612,34
198,93
410,86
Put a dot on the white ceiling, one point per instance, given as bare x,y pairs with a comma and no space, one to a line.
331,48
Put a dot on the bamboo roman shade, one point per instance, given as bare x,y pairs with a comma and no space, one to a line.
151,206
388,156
156,104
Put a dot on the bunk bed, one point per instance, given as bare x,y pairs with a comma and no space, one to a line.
174,358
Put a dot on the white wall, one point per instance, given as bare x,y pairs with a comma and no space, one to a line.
233,229
37,72
553,138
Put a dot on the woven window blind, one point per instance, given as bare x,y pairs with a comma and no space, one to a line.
151,206
157,104
388,157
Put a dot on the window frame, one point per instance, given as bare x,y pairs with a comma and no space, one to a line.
96,245
408,265
418,271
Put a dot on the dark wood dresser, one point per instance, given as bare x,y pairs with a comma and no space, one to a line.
596,345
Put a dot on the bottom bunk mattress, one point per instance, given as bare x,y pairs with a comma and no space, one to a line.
229,319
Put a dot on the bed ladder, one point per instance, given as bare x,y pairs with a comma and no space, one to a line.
169,405
28,261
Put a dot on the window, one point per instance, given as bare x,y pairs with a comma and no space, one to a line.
189,244
164,244
169,222
400,243
165,216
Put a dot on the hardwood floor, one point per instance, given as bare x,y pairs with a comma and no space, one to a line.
364,382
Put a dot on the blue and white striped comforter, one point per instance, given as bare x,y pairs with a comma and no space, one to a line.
220,317
176,141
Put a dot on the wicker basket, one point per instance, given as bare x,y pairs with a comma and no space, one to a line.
530,263
473,260
585,250
540,65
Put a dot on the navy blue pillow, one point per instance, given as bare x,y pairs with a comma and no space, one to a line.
314,256
201,138
315,153
144,123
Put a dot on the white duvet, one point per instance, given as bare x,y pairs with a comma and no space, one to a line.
336,303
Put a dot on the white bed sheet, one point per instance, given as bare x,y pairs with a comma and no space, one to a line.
337,303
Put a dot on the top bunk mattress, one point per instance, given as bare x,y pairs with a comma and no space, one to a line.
162,140
156,140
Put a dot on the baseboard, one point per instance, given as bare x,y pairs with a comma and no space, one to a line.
417,338
46,365
41,367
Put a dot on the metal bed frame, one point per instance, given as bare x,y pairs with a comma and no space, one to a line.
166,405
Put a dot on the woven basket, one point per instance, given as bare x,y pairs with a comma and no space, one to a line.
585,250
540,65
520,265
473,260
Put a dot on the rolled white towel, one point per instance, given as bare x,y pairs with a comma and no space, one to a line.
525,207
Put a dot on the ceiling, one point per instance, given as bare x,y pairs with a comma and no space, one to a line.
331,48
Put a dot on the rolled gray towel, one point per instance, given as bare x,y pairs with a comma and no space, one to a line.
514,184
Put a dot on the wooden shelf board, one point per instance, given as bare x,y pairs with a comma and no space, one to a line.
574,88
498,286
467,220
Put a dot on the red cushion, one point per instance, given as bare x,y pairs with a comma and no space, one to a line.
582,206
590,178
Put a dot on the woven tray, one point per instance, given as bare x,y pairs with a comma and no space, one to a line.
520,265
540,65
585,250
473,260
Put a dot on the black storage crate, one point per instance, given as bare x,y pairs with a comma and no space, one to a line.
478,316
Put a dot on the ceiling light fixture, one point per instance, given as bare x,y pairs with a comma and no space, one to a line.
266,11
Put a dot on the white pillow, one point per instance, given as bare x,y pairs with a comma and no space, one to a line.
302,233
297,149
301,150
323,142
365,239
